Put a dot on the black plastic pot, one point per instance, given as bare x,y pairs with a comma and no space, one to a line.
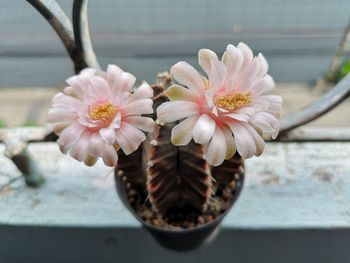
180,240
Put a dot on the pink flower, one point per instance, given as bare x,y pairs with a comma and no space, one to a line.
98,114
227,111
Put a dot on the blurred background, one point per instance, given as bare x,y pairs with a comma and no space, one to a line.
299,39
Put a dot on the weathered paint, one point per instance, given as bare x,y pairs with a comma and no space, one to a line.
294,185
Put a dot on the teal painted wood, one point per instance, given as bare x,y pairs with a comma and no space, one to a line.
292,186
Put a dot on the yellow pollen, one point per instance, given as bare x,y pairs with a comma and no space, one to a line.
231,102
103,112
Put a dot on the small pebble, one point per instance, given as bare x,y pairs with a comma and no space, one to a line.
201,220
153,143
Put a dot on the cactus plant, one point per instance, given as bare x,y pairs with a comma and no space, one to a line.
185,169
176,177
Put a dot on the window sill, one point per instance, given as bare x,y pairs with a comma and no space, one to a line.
295,198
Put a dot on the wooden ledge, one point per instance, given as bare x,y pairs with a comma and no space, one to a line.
294,185
294,208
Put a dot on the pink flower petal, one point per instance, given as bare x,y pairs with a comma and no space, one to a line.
259,142
177,92
181,134
276,132
264,84
247,140
209,97
79,150
238,116
59,115
113,77
274,103
265,121
98,148
108,135
129,138
109,155
70,135
217,74
187,75
62,148
127,81
100,89
248,110
233,60
123,98
79,84
246,80
142,123
258,105
138,107
204,58
216,150
203,129
143,92
67,103
116,121
264,66
247,55
230,143
175,110
88,123
88,71
59,127
96,145
70,91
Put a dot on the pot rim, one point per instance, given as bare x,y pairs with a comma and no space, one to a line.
216,221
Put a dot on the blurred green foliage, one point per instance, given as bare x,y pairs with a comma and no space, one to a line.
344,69
29,123
2,123
338,74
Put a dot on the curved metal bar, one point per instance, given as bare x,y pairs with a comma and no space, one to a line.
54,14
82,34
316,109
342,50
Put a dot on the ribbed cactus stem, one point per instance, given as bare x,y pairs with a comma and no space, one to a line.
178,176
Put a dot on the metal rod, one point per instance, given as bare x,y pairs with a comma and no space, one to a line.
316,109
54,14
17,151
82,33
316,134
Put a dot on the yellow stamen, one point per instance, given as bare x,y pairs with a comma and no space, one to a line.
231,102
103,112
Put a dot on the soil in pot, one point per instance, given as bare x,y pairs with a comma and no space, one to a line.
184,217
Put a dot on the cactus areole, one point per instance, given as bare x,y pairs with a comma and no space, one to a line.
180,168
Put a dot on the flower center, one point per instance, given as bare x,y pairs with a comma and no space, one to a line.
103,112
231,102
